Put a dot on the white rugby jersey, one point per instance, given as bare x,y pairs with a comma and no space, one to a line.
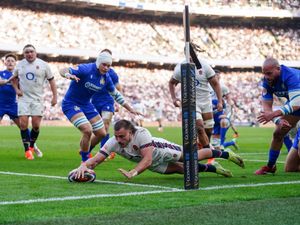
202,76
32,77
141,139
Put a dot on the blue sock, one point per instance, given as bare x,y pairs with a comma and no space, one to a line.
229,143
287,142
84,155
273,156
223,135
104,140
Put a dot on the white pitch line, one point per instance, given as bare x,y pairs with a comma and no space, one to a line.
68,198
97,181
250,185
258,160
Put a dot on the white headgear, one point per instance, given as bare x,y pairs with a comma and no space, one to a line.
103,57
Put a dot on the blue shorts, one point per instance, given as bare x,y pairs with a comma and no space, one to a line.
71,108
11,110
108,107
296,113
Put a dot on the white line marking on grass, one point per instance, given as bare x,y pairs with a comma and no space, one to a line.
250,185
97,181
253,153
68,198
258,160
85,197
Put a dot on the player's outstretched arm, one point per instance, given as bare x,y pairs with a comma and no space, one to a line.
89,165
144,164
3,82
65,73
172,84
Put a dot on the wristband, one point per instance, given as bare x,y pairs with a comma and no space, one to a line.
276,120
67,75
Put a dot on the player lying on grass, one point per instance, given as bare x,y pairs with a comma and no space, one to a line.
156,154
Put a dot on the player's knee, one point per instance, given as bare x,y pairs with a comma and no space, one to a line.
209,124
279,134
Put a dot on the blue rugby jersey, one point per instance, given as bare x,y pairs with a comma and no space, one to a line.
288,81
7,92
103,94
91,82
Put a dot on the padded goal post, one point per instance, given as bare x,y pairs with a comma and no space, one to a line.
188,101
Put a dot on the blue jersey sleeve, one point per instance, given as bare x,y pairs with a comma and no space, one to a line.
80,71
109,84
114,76
267,93
291,81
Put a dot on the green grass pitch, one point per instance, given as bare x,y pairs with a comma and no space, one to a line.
37,192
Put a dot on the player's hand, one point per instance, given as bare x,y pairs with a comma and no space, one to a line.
129,174
265,117
79,172
176,102
284,125
219,106
72,77
19,93
53,101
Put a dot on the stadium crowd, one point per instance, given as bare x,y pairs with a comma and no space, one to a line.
277,4
156,38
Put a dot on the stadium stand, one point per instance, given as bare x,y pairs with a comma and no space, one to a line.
145,48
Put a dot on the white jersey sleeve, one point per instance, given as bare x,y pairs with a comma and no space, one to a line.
177,72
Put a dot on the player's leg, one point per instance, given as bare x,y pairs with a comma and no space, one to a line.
81,122
25,135
207,115
208,122
276,145
98,131
77,117
106,117
202,136
292,163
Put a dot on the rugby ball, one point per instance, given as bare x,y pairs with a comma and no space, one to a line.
88,177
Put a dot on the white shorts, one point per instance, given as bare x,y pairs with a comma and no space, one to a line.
30,108
162,157
203,106
106,115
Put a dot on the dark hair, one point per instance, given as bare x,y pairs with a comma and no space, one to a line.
29,45
127,125
11,55
217,71
106,50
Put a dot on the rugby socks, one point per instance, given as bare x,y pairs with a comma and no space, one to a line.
287,142
223,131
206,168
273,156
220,154
84,156
104,140
229,143
33,137
25,134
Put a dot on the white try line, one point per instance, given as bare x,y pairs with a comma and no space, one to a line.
259,160
97,181
41,200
